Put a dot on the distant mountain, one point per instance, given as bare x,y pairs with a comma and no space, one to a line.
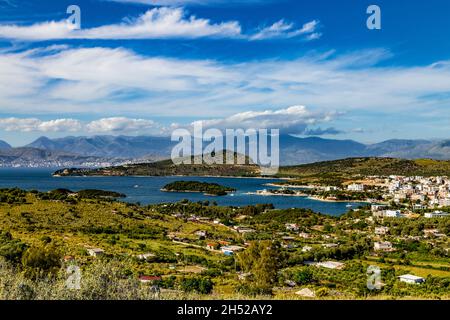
293,150
32,157
109,146
4,145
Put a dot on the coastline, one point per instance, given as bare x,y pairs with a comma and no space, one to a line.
268,194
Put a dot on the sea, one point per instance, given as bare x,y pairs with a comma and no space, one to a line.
146,190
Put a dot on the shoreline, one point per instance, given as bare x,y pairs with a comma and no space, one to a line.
268,194
328,200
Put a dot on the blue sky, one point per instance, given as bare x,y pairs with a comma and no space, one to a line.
148,66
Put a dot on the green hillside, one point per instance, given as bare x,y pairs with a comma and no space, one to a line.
335,172
328,170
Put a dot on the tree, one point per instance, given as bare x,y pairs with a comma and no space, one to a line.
304,276
262,259
42,260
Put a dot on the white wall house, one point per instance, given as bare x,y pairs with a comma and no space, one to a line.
412,279
392,213
437,214
383,246
355,187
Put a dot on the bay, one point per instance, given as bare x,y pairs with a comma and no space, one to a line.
146,190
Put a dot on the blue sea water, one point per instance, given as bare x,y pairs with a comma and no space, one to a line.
146,190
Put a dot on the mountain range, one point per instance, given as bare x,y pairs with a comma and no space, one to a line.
98,150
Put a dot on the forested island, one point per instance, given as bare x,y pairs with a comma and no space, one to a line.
213,189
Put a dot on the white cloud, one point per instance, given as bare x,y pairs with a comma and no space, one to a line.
107,81
294,119
282,29
120,124
33,124
156,23
104,125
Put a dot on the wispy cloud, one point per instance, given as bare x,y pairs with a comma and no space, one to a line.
282,29
156,23
120,82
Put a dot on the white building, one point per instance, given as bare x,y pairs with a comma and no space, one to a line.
381,231
355,187
437,214
409,278
392,213
383,246
331,265
291,227
377,207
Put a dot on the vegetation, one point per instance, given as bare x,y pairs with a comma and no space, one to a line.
329,172
195,186
179,245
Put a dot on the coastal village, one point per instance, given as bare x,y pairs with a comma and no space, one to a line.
399,225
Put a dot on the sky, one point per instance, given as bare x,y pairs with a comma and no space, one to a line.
147,67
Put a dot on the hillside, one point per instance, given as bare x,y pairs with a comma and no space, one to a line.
371,167
184,248
165,168
4,145
323,171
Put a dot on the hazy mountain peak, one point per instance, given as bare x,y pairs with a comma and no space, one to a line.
4,145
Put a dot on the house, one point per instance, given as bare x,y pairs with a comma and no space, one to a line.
95,252
377,207
355,187
331,265
230,250
383,246
419,207
211,246
245,230
437,214
291,227
432,233
201,234
306,249
412,279
381,231
330,245
304,235
149,279
392,213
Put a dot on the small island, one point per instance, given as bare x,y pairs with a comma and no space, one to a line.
212,189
